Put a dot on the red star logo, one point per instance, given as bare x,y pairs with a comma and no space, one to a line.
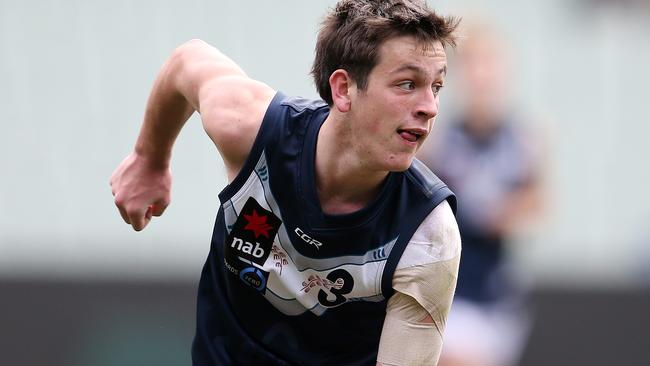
257,224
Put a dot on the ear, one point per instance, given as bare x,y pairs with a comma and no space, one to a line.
340,83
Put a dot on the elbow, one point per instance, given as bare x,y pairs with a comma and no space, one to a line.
192,44
196,55
195,47
188,50
185,61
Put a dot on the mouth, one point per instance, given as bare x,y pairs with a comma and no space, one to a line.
411,134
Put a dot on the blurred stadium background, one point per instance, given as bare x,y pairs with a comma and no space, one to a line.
79,287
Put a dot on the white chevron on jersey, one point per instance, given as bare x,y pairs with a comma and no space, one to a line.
296,280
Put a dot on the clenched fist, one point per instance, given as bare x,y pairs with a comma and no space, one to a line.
141,190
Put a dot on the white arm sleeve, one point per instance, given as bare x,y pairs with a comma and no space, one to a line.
424,281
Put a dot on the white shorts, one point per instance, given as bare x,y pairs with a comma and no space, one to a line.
486,335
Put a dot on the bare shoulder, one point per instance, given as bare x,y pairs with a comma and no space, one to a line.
232,111
231,104
437,239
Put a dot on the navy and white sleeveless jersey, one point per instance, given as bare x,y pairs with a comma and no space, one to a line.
285,283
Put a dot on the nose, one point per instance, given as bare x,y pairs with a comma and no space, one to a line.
427,107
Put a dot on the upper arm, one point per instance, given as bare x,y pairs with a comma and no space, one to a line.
424,281
428,268
417,314
232,105
407,337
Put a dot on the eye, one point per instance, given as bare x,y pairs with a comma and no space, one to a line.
407,85
436,88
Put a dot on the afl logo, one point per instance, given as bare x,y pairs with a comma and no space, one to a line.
253,277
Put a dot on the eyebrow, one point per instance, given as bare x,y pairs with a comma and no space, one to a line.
418,69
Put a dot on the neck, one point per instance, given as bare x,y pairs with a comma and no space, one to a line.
344,181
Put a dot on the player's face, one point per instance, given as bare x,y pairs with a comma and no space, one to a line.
394,114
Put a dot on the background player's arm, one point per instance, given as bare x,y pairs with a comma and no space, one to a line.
196,77
424,285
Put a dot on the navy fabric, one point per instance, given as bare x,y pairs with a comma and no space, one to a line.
241,323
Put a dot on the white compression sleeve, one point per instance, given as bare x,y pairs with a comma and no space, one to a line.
416,314
424,282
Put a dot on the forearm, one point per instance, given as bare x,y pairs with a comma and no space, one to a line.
166,112
196,77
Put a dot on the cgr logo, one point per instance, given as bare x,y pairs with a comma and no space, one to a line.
308,239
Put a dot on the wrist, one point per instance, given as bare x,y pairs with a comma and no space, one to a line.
152,156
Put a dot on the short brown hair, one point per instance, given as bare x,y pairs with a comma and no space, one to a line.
352,33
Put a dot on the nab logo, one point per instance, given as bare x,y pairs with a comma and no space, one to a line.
251,237
308,239
257,224
247,247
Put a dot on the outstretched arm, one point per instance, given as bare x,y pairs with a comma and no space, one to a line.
196,77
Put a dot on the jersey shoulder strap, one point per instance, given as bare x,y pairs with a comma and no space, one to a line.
422,191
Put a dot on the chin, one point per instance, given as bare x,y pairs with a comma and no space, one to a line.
399,165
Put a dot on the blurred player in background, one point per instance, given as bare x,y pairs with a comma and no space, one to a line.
490,158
